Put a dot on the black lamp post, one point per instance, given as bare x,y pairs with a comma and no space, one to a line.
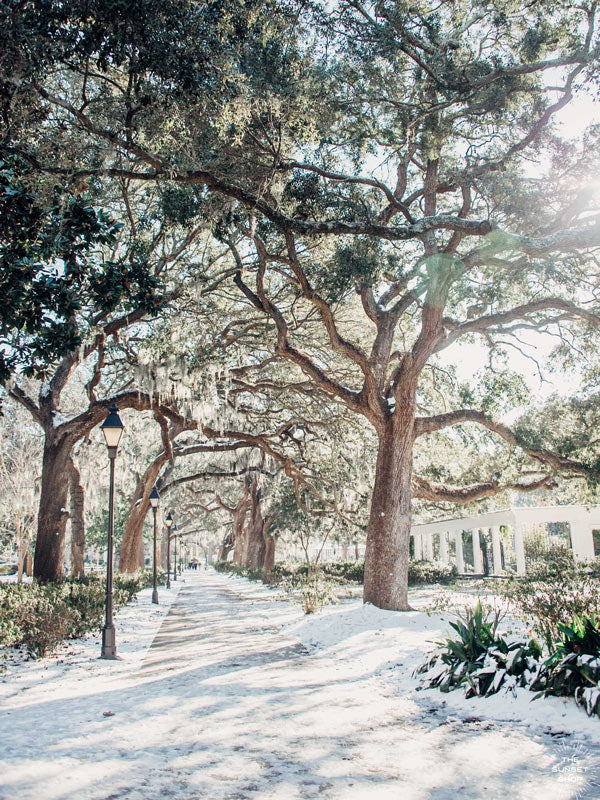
154,498
168,523
112,428
174,553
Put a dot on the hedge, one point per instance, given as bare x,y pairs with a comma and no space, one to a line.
41,616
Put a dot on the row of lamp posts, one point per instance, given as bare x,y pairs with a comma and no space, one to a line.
112,428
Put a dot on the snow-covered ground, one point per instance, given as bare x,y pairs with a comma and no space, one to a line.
14,578
242,697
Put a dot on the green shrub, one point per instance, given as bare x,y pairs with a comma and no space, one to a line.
34,616
420,572
573,669
555,590
145,578
88,600
351,571
317,592
229,567
479,659
281,570
314,590
41,616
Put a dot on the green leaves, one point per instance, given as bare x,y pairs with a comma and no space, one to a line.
478,659
54,275
573,668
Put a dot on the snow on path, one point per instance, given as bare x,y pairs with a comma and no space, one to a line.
241,697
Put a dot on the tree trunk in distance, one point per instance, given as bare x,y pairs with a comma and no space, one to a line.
131,554
225,547
28,564
223,553
77,501
164,541
269,553
52,514
141,552
20,558
240,533
255,540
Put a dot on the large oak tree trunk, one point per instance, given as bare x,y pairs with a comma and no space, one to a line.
388,533
240,531
226,547
129,555
52,514
269,553
255,540
77,500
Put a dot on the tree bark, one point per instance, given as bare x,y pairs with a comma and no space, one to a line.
255,540
226,547
129,552
164,543
52,514
131,556
388,533
20,557
77,501
240,532
28,564
141,553
269,560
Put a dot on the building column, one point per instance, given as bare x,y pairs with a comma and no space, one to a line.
582,540
519,549
460,559
418,547
496,551
429,546
444,547
477,557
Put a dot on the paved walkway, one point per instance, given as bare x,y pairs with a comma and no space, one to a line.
259,716
225,707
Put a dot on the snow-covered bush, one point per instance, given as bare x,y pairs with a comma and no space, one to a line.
573,669
555,590
420,572
41,616
479,659
252,573
317,592
314,589
38,617
352,571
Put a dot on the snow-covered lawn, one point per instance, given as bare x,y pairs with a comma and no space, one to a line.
243,697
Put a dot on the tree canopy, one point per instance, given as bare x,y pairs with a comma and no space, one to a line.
371,184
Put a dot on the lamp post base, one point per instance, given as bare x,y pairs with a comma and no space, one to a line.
155,596
168,584
109,642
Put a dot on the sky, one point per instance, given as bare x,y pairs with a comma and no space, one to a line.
469,358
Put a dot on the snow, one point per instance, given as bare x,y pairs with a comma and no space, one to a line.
58,419
14,578
241,697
